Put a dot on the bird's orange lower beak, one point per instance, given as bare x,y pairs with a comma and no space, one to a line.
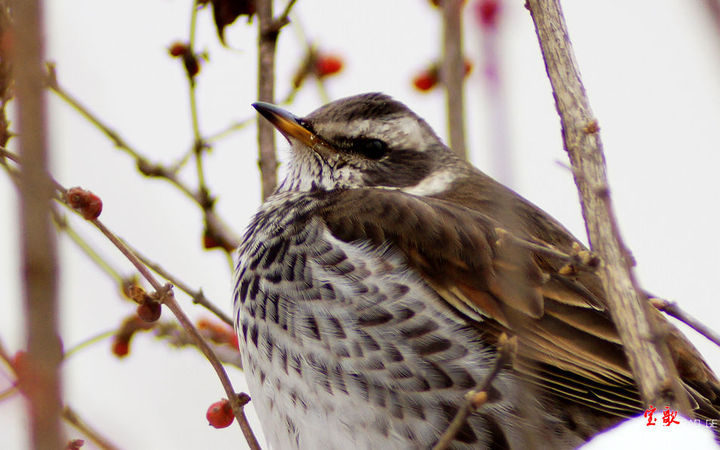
286,123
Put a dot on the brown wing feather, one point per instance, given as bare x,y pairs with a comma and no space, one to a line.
567,341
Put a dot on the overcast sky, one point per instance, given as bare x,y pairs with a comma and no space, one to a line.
651,69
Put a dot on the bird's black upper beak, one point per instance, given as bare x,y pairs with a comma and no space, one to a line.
286,123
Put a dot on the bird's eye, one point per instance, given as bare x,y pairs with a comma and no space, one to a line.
371,148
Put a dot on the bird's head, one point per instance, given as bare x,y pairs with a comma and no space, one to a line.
367,140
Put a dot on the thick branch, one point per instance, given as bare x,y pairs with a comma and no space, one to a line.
39,251
453,72
653,370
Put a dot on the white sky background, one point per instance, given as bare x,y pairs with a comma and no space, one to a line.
651,69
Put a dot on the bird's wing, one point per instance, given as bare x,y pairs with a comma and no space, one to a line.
567,341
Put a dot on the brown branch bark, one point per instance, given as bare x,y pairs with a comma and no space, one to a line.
267,41
453,73
653,370
39,250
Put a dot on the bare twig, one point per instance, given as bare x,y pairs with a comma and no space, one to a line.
39,248
178,337
199,144
284,17
268,29
198,297
215,226
61,224
672,309
74,419
651,365
68,414
478,396
166,296
453,73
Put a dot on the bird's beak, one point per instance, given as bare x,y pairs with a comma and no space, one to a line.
287,123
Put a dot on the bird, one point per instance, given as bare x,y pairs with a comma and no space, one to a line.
378,284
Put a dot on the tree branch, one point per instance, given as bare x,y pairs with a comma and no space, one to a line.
267,41
653,370
39,247
453,73
672,309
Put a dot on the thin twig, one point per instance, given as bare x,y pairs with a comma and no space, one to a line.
74,419
145,166
477,397
165,295
651,364
199,144
216,227
62,225
672,309
230,129
68,414
283,19
198,297
88,342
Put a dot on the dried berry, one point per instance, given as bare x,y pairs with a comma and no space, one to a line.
85,202
149,311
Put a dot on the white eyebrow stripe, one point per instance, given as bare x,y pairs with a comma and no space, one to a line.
434,184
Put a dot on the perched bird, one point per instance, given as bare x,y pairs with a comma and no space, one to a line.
373,287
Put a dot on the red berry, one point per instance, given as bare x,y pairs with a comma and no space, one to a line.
326,65
149,311
220,414
85,202
178,49
487,12
121,347
426,80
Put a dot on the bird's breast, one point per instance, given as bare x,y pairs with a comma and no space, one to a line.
343,336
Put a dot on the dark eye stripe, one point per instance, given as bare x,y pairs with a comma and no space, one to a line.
370,148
